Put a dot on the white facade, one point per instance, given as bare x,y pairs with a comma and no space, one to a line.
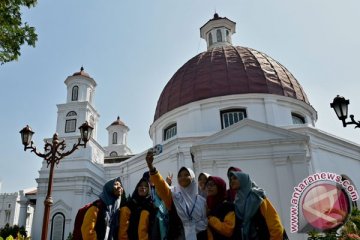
117,139
17,209
277,153
79,106
202,118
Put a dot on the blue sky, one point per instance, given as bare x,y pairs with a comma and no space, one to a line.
132,48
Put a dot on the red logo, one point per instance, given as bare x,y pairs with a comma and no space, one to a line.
325,206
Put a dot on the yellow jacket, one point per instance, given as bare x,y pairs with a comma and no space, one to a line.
88,227
272,219
224,228
142,226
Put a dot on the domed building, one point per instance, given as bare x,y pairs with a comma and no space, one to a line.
227,106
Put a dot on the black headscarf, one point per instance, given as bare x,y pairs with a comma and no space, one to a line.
141,199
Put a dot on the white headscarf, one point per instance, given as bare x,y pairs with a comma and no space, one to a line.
191,207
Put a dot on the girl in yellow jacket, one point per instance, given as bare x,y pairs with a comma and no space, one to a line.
101,221
221,215
256,217
137,214
187,209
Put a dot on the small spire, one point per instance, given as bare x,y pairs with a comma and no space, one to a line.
216,16
81,73
118,118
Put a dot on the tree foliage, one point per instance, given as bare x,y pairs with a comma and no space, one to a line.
70,236
14,231
13,32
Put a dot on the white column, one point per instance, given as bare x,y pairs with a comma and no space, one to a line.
23,209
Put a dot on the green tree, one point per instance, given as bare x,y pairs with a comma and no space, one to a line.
351,229
13,32
70,236
13,231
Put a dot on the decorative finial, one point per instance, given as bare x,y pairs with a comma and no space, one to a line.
216,16
81,69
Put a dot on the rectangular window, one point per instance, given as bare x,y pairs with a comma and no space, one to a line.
170,132
7,216
231,116
70,125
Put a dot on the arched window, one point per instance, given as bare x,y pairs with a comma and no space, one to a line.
231,116
57,226
113,154
70,123
170,131
75,93
114,138
70,114
297,119
218,35
210,39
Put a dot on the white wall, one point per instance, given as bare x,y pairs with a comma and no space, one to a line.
202,118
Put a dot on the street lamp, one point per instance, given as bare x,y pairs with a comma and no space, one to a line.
340,106
53,153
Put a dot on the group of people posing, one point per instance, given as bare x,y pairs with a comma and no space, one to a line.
192,210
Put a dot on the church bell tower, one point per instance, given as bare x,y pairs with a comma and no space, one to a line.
79,106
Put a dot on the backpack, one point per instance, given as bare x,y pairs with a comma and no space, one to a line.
80,217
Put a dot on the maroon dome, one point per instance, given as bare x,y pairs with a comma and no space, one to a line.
225,71
118,122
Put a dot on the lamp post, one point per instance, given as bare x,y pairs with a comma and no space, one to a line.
340,106
53,153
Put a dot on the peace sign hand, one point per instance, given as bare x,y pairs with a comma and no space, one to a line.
169,179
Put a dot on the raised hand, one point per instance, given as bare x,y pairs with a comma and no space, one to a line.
150,159
169,179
